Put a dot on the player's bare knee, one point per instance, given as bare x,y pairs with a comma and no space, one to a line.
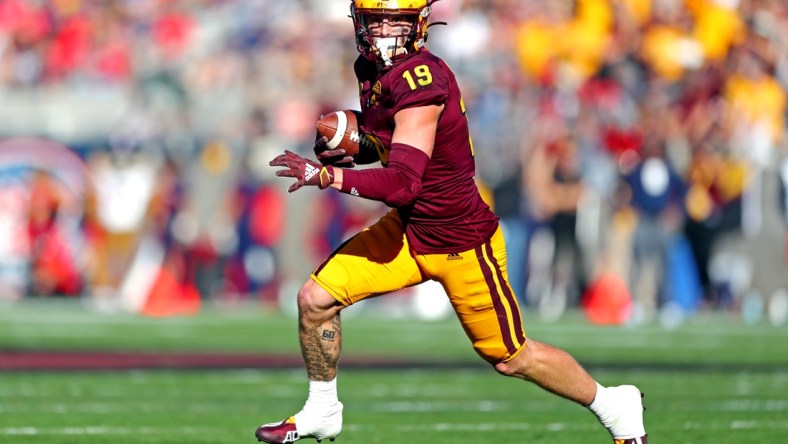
315,303
505,369
513,368
519,366
307,299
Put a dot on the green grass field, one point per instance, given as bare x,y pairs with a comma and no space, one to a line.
711,380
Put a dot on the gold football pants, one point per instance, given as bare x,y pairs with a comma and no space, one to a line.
378,260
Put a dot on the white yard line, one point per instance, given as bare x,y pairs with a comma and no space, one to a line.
557,427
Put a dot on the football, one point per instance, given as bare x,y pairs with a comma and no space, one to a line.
341,130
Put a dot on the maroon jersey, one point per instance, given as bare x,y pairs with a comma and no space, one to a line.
449,214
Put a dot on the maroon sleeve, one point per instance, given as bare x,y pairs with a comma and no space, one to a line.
421,83
396,185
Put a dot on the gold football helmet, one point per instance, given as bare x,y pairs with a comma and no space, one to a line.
404,35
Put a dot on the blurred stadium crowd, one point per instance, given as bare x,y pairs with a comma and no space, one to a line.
634,149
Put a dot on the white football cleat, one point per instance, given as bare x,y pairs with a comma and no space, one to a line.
304,424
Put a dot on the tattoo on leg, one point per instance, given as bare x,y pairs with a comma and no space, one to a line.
321,346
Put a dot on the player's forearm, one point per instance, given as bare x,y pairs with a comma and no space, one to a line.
389,185
396,185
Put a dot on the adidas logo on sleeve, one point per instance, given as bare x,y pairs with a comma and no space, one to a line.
454,257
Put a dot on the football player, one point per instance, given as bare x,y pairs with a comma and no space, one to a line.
439,228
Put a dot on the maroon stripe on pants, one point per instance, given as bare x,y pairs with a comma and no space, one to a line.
500,311
516,317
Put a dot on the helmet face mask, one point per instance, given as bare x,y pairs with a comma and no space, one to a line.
389,35
389,31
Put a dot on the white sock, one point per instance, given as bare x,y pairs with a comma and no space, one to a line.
322,394
322,401
620,410
601,403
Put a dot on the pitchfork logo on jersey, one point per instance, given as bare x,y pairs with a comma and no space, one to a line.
377,90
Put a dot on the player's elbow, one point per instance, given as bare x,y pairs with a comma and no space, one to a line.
405,194
406,169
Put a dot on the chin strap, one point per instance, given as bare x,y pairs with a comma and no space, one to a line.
386,60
